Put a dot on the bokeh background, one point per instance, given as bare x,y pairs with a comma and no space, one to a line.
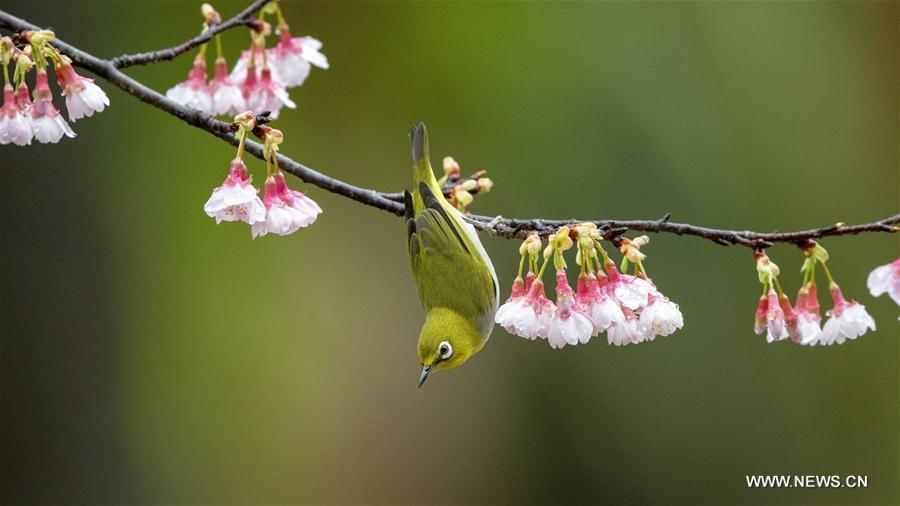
150,356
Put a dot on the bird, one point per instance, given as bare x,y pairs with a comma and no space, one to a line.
454,276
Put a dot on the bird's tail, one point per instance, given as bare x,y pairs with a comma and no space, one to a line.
422,172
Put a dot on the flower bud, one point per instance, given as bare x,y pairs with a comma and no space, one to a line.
533,244
585,242
468,185
451,167
463,197
210,14
766,267
40,36
485,184
817,252
561,240
246,120
6,49
631,248
274,136
585,229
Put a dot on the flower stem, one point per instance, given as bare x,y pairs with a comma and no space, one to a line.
219,52
280,16
777,285
543,266
242,137
5,73
827,274
639,268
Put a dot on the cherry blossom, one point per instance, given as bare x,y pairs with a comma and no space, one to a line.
661,317
83,97
46,121
286,210
15,124
194,92
236,199
569,324
267,94
847,320
886,279
227,97
292,57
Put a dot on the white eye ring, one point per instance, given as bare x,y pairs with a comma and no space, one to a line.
445,349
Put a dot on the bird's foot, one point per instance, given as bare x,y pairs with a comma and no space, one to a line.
489,227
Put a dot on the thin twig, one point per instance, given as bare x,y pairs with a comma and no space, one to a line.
243,18
510,228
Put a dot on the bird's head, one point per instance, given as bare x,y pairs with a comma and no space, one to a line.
447,340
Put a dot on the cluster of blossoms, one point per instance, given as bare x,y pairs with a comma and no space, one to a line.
24,118
778,319
281,211
462,191
261,77
629,308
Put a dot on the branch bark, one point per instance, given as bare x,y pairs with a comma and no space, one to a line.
511,228
244,18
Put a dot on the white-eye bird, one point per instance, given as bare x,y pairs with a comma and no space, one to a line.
454,275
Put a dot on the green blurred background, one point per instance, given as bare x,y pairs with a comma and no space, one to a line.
150,356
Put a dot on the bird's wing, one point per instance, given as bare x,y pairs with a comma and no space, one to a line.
441,249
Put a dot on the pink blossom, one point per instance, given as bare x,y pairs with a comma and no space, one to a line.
630,291
776,327
847,320
15,124
569,324
791,318
46,122
286,210
507,314
661,317
886,279
236,199
83,97
808,329
759,325
292,57
304,205
602,309
239,73
267,94
626,331
227,97
194,91
530,316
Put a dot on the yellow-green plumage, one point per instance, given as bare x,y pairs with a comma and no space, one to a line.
454,276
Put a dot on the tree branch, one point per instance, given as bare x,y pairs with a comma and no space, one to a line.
510,228
244,18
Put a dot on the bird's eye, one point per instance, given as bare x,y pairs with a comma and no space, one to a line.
445,350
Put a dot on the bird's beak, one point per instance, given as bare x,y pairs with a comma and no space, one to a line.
425,371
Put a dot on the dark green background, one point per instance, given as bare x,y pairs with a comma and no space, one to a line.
150,356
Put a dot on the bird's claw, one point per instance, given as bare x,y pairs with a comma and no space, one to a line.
489,227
